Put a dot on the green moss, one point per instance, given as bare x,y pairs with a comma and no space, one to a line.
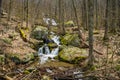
27,58
117,67
7,40
17,58
26,72
69,23
78,59
93,68
70,39
23,35
44,77
96,32
2,59
52,45
73,54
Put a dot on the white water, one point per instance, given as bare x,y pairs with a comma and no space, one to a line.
45,53
48,21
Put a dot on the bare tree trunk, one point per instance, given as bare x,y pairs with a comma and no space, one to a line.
91,24
56,7
27,14
96,14
61,18
0,8
10,9
106,21
36,12
116,14
76,16
85,14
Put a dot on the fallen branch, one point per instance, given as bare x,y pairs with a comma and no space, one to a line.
86,44
5,77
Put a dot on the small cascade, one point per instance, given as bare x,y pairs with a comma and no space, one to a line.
56,40
45,53
47,50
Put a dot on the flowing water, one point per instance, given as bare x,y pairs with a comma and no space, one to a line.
45,53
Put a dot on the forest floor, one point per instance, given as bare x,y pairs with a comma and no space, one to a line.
107,66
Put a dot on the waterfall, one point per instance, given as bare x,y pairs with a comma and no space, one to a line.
45,53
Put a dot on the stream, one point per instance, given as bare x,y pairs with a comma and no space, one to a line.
45,53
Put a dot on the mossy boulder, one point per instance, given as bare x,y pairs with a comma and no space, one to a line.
70,39
69,23
73,54
17,58
39,32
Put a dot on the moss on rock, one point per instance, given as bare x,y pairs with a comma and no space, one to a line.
69,23
17,58
39,32
7,40
2,59
73,54
71,39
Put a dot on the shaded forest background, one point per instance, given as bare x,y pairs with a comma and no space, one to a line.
35,10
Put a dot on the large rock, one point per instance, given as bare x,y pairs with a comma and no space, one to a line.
39,32
18,58
73,54
16,50
71,39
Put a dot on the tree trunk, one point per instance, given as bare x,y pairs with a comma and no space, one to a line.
27,14
90,24
9,11
76,16
106,22
96,14
0,8
61,17
36,12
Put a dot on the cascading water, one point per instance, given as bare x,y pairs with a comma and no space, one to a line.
45,53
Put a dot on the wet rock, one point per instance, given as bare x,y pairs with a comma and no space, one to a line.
71,39
52,45
73,54
39,32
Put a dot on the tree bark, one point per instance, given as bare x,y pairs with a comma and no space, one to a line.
90,24
9,11
106,22
76,16
61,18
0,8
